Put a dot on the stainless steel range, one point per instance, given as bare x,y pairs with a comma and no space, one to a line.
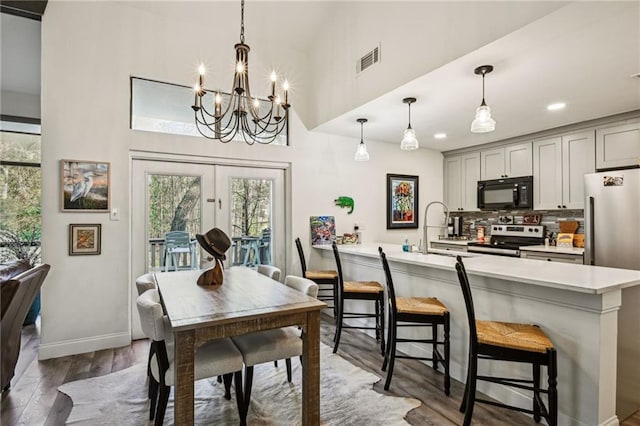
506,240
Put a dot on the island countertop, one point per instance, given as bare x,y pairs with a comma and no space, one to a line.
571,277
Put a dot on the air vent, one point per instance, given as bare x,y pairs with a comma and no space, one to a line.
368,60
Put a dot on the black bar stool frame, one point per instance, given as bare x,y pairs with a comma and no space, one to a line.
325,294
479,350
414,320
376,296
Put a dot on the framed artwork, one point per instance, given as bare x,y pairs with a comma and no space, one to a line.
402,201
85,186
84,239
323,230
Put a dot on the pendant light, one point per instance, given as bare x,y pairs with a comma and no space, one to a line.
409,141
483,122
361,152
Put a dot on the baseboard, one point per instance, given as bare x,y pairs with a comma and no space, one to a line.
613,421
79,346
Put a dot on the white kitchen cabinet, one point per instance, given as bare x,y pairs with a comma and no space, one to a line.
553,257
462,174
618,146
559,164
508,161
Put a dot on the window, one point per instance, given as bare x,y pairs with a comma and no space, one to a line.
166,108
20,191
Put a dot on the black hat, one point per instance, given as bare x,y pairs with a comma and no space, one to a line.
215,242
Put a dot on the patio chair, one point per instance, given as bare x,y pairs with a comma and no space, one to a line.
177,243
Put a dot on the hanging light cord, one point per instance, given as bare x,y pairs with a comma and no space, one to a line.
409,115
361,132
242,22
483,102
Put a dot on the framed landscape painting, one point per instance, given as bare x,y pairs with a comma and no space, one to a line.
402,201
84,239
85,186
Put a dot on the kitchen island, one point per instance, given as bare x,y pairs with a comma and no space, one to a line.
576,305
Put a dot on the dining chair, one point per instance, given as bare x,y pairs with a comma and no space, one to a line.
415,312
358,290
322,278
145,282
177,243
514,342
272,345
270,271
213,358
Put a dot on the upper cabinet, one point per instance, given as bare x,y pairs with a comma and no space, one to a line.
461,176
618,146
508,161
559,164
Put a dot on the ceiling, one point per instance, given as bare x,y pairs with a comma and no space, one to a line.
583,54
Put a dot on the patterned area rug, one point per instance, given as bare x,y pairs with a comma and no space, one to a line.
346,398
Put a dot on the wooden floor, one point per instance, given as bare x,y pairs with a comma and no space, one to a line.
34,399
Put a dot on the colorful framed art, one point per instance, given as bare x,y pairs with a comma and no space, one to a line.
85,239
402,201
85,186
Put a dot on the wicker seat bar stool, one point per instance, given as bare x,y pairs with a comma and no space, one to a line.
503,341
358,290
415,312
327,280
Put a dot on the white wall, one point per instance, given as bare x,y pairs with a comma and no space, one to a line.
20,104
402,29
89,51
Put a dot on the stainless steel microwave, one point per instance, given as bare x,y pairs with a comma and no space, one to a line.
506,194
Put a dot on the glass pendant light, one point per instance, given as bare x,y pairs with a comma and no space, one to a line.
409,141
361,152
483,122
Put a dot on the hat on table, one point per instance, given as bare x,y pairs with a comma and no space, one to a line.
215,242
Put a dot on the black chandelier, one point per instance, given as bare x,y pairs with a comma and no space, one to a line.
238,113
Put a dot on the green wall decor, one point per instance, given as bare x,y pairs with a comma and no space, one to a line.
343,201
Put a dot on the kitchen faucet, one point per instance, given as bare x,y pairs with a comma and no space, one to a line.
426,226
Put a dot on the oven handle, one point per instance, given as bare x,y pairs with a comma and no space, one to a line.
508,252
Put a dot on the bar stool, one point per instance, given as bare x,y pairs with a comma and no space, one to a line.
513,342
321,278
415,312
358,290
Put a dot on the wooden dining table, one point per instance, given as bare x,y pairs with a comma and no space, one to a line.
245,303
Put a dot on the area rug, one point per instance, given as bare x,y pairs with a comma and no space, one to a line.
346,398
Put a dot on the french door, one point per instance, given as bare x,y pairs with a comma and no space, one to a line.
246,203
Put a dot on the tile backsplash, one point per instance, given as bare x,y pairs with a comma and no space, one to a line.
549,218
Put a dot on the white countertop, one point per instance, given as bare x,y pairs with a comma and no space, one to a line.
554,249
572,277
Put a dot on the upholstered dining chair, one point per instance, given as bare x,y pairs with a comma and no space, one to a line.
272,345
363,291
213,358
145,282
503,341
270,271
327,280
413,312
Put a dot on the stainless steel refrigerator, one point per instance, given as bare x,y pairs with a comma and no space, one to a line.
612,238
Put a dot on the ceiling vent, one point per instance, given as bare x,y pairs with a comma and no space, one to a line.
368,60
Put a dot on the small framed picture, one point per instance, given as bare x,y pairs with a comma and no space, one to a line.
84,239
402,201
85,186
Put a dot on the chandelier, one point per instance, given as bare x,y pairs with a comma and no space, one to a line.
238,113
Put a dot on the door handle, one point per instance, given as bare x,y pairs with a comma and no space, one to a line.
219,203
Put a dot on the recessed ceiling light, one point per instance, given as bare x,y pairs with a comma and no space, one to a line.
440,135
556,106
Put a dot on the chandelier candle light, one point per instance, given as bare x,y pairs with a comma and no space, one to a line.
238,113
361,152
483,122
409,141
